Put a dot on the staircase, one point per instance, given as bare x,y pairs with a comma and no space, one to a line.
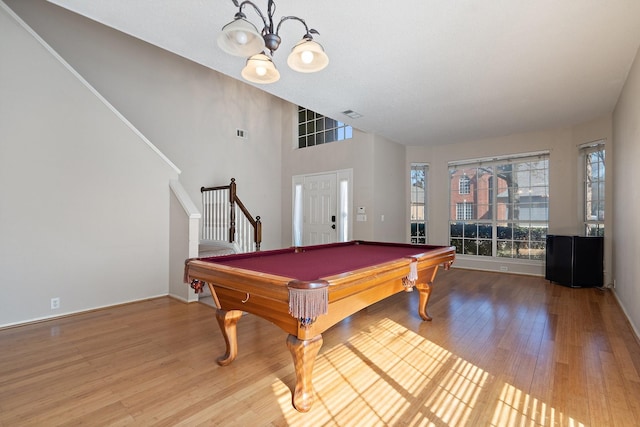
227,225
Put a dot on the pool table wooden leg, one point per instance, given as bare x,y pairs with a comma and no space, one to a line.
227,320
425,293
304,355
424,287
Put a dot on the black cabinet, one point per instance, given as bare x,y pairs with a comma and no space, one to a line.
575,261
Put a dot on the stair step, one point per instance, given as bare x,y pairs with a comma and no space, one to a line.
209,248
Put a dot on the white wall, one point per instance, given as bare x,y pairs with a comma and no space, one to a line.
188,111
390,206
184,239
71,222
564,200
626,175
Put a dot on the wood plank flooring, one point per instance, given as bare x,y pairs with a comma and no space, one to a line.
502,350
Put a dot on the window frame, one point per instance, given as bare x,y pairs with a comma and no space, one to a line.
419,212
593,226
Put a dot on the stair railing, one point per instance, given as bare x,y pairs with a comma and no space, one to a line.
225,218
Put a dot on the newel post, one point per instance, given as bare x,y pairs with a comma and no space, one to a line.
232,216
257,233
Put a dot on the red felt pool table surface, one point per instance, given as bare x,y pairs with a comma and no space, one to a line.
309,263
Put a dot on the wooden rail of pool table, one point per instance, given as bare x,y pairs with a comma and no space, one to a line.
237,290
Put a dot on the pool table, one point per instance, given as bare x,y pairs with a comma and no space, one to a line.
306,290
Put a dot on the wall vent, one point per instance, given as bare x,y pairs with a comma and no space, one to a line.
352,114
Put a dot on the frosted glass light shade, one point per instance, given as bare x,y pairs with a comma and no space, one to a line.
240,38
307,56
260,69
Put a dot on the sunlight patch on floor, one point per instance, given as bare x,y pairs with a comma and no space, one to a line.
518,408
388,375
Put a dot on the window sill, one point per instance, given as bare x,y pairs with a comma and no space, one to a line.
501,265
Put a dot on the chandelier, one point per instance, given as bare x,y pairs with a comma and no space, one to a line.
241,38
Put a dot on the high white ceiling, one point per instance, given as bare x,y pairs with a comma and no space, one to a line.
421,72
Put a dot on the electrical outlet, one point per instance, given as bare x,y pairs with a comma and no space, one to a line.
55,303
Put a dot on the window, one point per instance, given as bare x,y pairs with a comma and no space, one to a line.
464,210
315,129
464,185
505,213
594,175
344,201
419,203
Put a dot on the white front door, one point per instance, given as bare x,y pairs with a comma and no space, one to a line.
320,209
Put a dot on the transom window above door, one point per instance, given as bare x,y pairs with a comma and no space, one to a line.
315,129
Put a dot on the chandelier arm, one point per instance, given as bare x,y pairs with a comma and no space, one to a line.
295,18
271,10
264,20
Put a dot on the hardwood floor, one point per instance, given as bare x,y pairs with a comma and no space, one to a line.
502,350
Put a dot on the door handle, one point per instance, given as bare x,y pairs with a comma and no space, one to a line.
333,226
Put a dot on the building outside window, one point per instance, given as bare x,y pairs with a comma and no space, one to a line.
419,173
594,195
506,211
315,129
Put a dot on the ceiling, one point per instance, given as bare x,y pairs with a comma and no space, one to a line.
421,72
